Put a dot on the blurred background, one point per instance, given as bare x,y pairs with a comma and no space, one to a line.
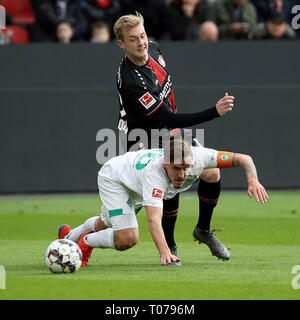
58,66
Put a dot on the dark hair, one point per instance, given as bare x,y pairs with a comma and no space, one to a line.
176,150
100,25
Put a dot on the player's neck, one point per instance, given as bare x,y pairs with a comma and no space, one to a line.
138,61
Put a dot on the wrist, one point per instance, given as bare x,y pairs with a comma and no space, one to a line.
252,180
164,251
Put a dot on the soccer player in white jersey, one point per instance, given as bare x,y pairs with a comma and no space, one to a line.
143,179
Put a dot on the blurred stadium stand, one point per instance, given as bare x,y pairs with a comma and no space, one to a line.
16,34
21,11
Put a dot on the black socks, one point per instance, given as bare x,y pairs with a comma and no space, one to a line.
208,194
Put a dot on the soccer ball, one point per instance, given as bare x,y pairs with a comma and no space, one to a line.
63,256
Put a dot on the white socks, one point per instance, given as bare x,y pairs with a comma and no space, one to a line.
88,225
102,239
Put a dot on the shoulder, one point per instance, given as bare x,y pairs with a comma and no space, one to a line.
290,33
153,44
249,8
260,31
128,75
200,154
153,49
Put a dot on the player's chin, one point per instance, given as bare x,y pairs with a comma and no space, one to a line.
178,184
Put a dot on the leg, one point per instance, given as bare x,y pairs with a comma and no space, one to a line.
117,227
65,231
208,193
121,233
126,239
170,212
91,224
115,239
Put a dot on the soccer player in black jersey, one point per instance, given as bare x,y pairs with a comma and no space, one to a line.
147,102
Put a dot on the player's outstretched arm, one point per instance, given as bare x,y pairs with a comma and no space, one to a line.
165,117
154,215
254,187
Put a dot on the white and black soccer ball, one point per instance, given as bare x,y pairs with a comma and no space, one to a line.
63,256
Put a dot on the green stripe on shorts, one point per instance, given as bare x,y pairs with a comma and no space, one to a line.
116,212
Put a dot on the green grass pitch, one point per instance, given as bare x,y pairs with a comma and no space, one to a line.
264,242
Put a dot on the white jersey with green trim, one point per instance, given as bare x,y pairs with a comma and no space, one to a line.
142,173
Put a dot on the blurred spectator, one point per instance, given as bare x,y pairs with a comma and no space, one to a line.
64,33
50,13
35,4
208,31
236,19
184,18
275,28
153,11
107,11
100,32
9,21
265,8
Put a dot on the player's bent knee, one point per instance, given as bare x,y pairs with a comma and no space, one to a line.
126,239
99,225
211,175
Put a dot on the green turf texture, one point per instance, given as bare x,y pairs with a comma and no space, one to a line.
264,241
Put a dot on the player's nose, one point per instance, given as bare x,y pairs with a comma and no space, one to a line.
181,174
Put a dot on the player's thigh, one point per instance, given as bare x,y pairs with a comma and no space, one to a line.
117,210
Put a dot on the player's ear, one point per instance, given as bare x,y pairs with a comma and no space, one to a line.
121,44
164,164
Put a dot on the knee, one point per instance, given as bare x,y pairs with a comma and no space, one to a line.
99,225
211,175
126,239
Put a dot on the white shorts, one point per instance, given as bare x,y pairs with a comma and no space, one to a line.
117,210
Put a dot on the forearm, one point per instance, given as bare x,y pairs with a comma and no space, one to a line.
155,227
181,120
254,187
246,163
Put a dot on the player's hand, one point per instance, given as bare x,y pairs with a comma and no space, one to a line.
225,104
166,258
257,190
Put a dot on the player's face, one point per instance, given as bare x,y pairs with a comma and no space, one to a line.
178,173
135,44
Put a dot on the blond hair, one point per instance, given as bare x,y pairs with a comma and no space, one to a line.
127,22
